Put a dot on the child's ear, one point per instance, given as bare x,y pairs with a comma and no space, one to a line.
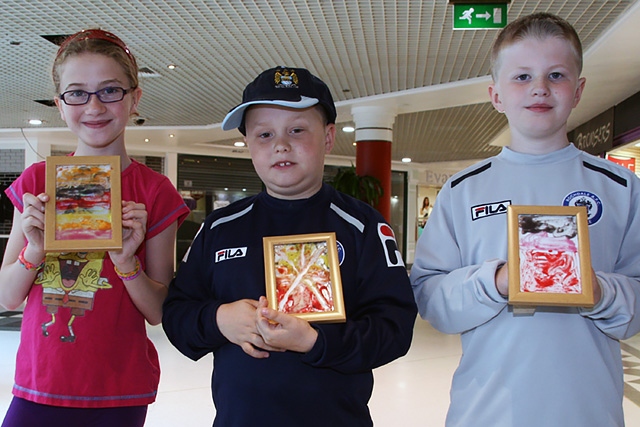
135,96
59,105
579,89
495,98
329,137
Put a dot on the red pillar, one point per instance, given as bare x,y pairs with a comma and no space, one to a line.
374,133
374,158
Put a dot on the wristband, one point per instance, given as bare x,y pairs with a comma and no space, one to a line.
26,264
131,275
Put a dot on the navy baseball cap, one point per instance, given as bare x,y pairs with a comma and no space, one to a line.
286,87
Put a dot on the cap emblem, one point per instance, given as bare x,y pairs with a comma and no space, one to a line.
285,78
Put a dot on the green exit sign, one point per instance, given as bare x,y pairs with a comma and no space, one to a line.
479,16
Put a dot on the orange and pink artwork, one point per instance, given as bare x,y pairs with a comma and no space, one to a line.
83,202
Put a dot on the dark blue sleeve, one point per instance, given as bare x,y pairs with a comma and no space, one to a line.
380,314
189,312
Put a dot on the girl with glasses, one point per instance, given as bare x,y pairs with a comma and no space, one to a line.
84,357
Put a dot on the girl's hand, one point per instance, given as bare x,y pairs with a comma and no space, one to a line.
32,221
134,228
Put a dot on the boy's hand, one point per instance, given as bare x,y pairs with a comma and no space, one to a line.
237,322
597,290
283,330
502,280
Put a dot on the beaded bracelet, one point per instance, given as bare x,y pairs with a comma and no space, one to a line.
131,275
26,264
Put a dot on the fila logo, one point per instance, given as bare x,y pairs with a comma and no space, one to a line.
489,209
225,254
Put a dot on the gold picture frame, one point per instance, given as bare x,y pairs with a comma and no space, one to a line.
549,256
84,211
302,275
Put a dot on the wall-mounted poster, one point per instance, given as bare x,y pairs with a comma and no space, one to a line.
303,276
549,256
84,212
426,201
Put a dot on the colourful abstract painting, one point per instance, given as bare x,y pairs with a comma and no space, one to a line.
83,202
302,275
303,278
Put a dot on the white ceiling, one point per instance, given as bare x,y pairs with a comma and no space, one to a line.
403,55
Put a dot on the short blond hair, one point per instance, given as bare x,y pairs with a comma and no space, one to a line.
538,25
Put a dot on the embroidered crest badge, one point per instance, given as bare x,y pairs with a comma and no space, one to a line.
286,78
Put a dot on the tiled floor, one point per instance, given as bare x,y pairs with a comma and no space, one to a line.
414,387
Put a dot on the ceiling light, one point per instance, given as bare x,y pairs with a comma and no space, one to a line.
35,122
406,160
238,144
146,140
171,135
171,66
348,129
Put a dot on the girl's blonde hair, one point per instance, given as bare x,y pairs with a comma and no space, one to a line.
100,42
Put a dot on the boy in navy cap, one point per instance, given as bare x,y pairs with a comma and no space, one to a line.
273,368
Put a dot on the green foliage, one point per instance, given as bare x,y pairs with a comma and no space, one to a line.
366,188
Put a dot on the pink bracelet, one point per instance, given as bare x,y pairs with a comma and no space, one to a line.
131,275
26,264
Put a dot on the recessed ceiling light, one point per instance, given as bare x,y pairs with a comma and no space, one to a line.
171,66
355,144
35,122
171,135
406,160
348,129
146,140
238,144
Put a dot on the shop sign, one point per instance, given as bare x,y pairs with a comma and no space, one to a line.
595,136
627,162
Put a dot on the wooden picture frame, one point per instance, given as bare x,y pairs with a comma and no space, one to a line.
302,275
84,212
549,256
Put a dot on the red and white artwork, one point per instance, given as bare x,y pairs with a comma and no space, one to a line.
549,256
303,278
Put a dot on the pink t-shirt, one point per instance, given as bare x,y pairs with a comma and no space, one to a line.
83,342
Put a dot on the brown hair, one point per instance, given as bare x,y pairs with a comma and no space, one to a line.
99,42
538,25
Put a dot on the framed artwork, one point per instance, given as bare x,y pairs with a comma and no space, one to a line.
303,276
549,256
84,212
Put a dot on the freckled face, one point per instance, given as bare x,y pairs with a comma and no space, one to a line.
97,125
537,87
288,147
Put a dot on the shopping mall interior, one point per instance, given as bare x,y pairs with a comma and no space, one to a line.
408,61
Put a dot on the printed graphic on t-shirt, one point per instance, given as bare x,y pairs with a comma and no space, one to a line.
388,240
70,281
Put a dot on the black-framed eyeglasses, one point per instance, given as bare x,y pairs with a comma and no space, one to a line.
105,95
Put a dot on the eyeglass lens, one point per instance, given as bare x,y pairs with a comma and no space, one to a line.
106,95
